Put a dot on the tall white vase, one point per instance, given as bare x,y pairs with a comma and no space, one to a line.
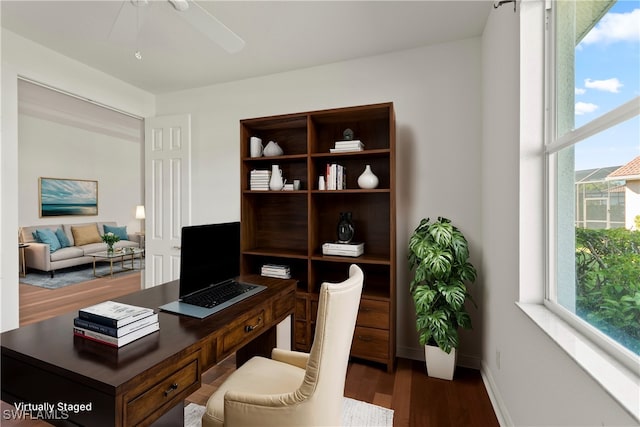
276,183
367,180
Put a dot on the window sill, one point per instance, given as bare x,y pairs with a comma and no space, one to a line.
621,383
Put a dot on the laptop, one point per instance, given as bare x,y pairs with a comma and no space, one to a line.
210,264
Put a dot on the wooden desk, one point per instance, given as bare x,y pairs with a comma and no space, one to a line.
147,380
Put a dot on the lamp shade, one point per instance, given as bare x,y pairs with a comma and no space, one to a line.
140,212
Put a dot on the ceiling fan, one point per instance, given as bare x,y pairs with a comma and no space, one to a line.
133,12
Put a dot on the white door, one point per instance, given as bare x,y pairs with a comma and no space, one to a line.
167,194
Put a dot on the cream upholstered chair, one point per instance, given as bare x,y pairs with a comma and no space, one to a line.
293,388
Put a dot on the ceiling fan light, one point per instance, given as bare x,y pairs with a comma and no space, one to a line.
180,5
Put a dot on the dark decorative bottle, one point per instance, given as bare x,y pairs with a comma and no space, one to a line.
345,228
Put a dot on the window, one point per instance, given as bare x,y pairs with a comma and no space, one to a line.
593,159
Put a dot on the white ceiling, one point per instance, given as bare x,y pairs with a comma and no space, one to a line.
279,36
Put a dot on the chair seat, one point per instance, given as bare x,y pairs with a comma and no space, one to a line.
259,375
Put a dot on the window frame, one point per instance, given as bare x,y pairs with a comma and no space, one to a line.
552,146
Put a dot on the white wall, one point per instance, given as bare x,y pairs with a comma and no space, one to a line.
21,57
436,94
532,381
56,150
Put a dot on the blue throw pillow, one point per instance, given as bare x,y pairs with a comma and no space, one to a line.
121,232
49,237
62,238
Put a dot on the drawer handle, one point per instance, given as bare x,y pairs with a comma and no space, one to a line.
365,338
365,310
249,328
170,390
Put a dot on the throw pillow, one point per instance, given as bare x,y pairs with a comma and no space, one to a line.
121,232
85,234
62,238
49,237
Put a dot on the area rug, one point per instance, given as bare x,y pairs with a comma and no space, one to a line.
77,274
355,414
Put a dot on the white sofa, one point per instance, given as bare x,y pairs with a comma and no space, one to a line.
39,256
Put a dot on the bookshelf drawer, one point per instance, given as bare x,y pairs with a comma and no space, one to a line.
370,343
165,393
373,314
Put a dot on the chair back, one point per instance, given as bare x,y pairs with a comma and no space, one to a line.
326,370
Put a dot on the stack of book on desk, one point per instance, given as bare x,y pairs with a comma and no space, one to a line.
259,180
278,271
114,323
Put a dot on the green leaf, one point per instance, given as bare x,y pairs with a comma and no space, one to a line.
442,233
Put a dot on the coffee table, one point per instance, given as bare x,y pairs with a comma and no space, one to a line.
116,256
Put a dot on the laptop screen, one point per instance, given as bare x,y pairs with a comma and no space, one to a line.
209,254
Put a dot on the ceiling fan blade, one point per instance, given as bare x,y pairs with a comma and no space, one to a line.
127,24
211,27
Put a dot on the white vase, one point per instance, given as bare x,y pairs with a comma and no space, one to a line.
272,149
368,179
440,364
276,183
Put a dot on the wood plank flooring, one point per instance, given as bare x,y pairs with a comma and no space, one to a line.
417,400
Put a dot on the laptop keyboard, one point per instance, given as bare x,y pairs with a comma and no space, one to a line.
217,295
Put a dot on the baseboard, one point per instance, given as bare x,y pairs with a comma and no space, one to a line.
499,407
464,360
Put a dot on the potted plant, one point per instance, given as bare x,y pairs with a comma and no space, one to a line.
439,256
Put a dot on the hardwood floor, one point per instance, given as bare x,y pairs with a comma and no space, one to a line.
38,303
417,400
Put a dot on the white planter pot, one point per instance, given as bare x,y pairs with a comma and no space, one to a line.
440,364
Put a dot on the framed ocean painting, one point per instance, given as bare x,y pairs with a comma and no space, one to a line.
60,197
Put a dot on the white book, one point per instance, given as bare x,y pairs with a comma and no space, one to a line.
116,341
345,150
113,313
349,143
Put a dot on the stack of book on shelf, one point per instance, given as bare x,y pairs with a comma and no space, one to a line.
347,146
114,323
260,180
353,249
275,270
336,177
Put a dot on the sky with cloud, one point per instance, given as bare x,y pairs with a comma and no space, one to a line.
607,75
68,192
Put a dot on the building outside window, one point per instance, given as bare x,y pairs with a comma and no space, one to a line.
593,159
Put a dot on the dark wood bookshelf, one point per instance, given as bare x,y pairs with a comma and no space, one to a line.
289,227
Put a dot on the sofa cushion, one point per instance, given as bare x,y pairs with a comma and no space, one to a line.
62,238
121,232
92,248
67,253
49,237
28,233
85,234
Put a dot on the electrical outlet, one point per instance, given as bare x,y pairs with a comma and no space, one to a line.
498,359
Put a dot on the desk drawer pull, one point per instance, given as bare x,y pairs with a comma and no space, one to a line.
170,390
365,338
249,328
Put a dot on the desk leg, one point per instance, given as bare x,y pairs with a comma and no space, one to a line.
173,418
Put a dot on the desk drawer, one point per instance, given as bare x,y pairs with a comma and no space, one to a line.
243,332
370,343
168,391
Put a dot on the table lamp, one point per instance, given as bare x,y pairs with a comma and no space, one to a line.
141,216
